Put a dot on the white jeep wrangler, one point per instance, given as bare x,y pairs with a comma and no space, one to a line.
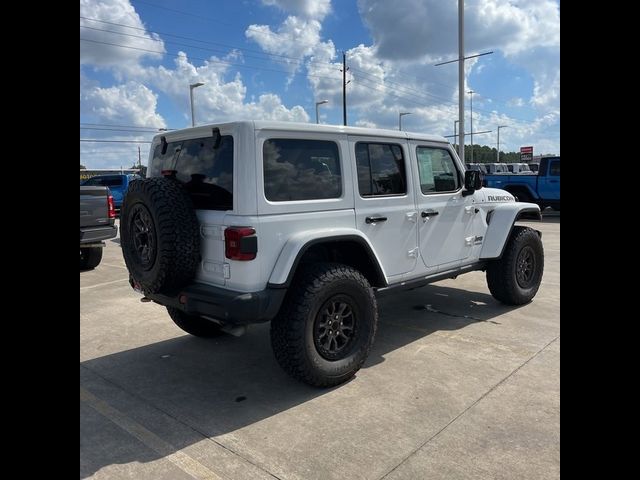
303,225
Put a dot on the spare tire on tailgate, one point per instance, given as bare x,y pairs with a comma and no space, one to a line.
159,234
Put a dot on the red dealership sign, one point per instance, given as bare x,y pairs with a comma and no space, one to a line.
526,154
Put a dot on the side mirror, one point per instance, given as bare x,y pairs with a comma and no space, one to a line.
472,182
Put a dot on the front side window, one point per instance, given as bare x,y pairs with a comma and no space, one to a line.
298,169
554,169
380,169
438,172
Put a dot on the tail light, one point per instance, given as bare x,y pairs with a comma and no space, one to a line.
240,243
111,208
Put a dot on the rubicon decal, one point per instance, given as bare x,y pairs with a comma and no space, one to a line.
500,198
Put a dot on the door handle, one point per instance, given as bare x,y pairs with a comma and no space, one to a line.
429,214
375,219
553,181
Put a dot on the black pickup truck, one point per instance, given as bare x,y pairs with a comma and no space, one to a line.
97,218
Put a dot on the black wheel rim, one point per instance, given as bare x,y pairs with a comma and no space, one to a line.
335,328
143,236
526,267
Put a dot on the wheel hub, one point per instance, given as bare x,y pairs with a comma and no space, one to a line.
143,236
525,267
335,328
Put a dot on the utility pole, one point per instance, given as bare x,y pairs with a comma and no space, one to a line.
471,125
461,78
140,158
344,88
497,149
460,60
455,123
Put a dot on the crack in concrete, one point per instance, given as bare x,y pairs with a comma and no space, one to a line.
429,308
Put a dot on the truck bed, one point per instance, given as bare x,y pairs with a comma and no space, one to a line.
95,224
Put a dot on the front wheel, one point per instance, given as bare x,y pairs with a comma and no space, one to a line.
325,329
515,278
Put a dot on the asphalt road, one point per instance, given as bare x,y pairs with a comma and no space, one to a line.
456,386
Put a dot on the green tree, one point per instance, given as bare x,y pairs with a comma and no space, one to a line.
82,167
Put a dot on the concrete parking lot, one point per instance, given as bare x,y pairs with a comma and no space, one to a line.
456,386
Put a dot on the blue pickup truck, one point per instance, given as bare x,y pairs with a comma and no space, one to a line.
117,183
543,188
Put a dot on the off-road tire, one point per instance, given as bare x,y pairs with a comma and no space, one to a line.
90,257
194,324
515,278
162,207
295,332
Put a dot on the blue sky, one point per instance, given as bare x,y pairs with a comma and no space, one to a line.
273,59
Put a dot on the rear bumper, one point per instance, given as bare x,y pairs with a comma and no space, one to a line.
96,234
227,306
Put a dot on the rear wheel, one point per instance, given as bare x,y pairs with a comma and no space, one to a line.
194,324
515,278
325,329
90,257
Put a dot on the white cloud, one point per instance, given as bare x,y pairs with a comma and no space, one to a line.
413,29
218,99
515,102
129,104
112,14
316,9
413,35
296,38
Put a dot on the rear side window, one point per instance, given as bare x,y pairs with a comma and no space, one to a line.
207,172
381,169
296,169
437,170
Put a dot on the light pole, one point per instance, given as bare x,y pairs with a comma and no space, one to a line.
470,92
498,149
400,115
321,102
455,124
191,87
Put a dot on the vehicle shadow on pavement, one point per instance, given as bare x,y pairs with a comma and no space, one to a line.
188,389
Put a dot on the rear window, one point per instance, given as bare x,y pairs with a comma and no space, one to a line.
207,172
296,169
112,181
